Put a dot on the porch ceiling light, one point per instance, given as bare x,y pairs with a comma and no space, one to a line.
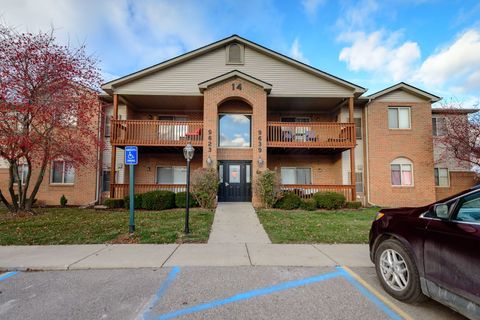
188,152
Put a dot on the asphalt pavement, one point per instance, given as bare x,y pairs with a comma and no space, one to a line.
239,292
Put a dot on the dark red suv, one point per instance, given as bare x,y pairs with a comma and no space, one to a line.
431,251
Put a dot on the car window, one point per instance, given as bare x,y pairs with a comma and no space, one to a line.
431,214
469,208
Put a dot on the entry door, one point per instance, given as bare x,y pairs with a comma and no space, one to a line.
451,249
235,181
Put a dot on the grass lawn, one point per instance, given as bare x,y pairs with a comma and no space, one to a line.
81,226
343,226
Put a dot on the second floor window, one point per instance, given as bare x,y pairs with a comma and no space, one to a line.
234,130
441,177
358,128
438,126
399,118
107,126
63,172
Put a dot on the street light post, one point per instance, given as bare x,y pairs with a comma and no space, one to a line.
188,152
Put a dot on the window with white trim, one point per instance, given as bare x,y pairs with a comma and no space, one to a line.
22,173
62,172
399,118
107,126
358,180
171,175
358,128
442,177
438,126
401,172
235,54
296,175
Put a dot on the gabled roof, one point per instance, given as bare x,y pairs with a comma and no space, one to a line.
234,38
408,88
234,73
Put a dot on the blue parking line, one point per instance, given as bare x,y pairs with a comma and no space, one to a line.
159,294
366,293
7,275
251,294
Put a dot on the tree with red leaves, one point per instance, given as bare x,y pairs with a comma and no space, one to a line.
48,110
460,136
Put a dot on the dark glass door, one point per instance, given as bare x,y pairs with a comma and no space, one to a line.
235,181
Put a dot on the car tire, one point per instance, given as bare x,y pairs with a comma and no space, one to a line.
392,276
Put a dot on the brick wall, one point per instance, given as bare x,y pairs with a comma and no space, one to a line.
459,181
223,94
326,168
385,145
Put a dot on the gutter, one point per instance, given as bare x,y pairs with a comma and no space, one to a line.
366,153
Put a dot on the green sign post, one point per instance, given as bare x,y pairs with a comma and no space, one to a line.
131,159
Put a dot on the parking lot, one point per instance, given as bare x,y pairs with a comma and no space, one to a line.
206,293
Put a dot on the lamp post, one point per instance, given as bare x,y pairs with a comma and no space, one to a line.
188,152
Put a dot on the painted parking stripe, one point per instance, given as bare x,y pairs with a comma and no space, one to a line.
352,277
145,314
7,275
251,294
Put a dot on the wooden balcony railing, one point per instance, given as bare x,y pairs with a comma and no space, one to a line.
156,133
311,134
121,190
306,191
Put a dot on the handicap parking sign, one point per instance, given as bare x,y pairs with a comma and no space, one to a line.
131,155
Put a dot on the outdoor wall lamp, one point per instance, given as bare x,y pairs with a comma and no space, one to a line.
209,161
260,161
188,152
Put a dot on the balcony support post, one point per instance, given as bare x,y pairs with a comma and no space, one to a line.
352,150
113,164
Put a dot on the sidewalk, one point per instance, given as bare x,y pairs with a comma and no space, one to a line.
72,257
237,222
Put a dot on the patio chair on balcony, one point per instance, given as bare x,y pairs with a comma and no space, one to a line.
195,133
287,135
342,136
310,136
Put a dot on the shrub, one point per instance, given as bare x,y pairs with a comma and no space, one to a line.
267,187
309,205
353,204
329,200
137,200
114,203
63,201
205,187
158,200
289,201
181,200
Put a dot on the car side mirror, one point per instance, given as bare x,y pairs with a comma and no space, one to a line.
441,211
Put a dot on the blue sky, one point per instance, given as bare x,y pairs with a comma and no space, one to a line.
433,44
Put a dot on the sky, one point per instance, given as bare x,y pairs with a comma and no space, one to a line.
431,44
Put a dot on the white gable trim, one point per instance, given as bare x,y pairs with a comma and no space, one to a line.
235,73
407,88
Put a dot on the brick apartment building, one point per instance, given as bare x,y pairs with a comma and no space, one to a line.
246,108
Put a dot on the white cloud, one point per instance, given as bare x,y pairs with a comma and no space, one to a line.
457,64
296,53
381,53
239,118
355,15
311,6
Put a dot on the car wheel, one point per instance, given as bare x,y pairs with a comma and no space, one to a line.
397,271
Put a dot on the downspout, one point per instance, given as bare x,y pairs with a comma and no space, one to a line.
366,151
97,180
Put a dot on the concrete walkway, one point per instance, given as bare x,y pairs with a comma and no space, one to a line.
70,257
237,222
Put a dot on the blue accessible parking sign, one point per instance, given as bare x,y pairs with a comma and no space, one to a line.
131,155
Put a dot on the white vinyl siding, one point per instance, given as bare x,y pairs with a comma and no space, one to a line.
285,79
400,96
296,175
171,175
399,118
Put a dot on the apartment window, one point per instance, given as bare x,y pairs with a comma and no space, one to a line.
442,177
171,175
296,175
401,172
22,173
63,172
105,181
107,126
358,128
399,118
234,130
358,180
438,126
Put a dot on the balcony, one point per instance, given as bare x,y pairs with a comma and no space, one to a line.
156,133
310,135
